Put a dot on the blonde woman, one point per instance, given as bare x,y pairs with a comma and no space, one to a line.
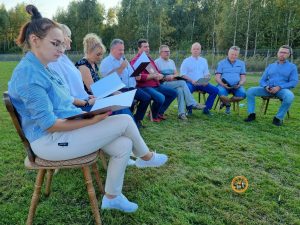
93,52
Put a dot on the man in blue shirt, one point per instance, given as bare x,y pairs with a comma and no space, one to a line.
277,80
116,62
230,76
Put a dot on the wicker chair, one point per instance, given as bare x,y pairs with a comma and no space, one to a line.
35,163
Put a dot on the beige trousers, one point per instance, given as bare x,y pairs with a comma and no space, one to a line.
116,135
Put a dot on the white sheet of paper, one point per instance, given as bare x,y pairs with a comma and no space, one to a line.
117,102
107,85
143,58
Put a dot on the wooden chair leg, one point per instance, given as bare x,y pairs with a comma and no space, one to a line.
49,181
150,112
216,105
103,159
92,195
266,108
204,97
36,195
262,108
98,178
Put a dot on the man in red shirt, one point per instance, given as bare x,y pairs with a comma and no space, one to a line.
149,81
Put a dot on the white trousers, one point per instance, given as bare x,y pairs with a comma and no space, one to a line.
117,136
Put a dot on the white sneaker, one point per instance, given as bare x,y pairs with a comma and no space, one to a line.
156,161
131,162
120,203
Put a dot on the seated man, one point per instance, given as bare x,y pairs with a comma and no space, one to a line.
149,82
195,67
277,80
168,69
115,62
230,76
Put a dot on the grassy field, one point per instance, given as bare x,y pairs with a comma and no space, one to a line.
193,188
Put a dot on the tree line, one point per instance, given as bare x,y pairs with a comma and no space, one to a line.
216,24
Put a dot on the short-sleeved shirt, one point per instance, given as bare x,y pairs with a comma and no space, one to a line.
194,67
66,69
110,63
231,72
39,96
166,67
94,73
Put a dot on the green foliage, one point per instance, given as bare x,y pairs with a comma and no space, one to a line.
216,24
83,17
193,188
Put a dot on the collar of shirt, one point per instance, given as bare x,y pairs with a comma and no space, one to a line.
286,61
230,61
30,56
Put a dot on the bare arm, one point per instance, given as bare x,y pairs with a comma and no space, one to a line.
242,80
220,82
188,79
86,76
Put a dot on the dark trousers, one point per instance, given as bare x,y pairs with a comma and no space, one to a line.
162,97
210,89
143,100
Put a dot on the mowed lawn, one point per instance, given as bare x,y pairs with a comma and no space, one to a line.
193,188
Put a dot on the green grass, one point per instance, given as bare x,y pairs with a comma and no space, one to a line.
193,188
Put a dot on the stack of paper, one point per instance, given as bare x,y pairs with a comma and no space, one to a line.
101,89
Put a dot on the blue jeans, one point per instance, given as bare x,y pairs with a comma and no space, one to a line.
286,95
240,92
162,97
210,89
143,99
184,96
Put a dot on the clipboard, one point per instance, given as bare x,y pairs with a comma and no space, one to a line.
139,69
111,103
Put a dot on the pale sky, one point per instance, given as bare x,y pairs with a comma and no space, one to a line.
48,7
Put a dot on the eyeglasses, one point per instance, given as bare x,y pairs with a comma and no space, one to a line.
166,51
59,45
284,52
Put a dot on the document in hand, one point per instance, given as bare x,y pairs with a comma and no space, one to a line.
203,80
107,85
180,78
112,103
140,64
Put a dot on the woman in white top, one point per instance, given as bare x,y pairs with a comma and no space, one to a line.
65,68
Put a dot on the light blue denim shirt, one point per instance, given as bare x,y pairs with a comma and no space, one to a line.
283,75
231,72
110,63
39,96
